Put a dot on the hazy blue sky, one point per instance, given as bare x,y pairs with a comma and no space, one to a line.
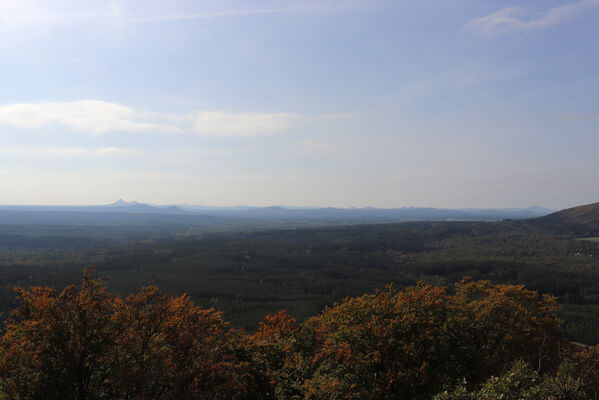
465,103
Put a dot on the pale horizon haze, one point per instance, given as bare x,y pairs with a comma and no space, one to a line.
384,103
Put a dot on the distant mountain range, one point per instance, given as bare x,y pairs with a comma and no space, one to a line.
122,212
373,214
578,221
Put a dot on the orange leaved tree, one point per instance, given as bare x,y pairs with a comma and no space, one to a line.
410,344
84,343
492,325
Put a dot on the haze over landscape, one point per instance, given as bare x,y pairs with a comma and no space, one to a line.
299,199
448,104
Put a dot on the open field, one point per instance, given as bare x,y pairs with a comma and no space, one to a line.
591,239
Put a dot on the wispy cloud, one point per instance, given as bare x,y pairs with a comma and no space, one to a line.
89,115
65,152
209,14
321,147
514,19
150,176
17,13
98,117
294,7
218,123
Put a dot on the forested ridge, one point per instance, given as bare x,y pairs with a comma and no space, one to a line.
248,275
478,341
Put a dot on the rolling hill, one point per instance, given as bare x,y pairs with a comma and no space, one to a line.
579,221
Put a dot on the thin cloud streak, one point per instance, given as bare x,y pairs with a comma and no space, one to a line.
511,19
208,15
18,13
99,117
66,152
310,7
149,176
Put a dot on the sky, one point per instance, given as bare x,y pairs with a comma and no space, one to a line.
346,103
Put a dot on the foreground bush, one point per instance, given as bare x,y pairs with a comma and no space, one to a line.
521,382
84,343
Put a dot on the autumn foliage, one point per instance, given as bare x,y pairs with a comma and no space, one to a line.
87,344
424,341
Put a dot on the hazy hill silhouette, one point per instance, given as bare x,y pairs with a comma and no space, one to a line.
580,221
122,212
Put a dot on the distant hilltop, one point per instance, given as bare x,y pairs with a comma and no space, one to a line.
142,208
122,203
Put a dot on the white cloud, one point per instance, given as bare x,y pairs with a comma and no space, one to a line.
219,123
98,117
87,115
110,151
512,19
